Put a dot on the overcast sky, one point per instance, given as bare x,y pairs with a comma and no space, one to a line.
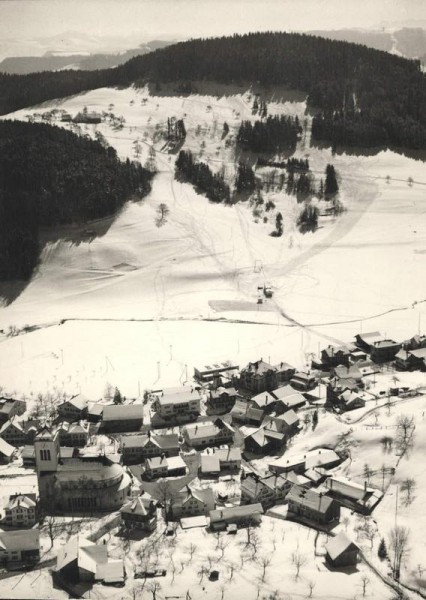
127,20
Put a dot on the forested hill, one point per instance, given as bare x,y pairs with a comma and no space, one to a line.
49,176
366,97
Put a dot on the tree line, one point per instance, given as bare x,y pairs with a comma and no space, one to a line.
50,176
199,174
274,135
366,97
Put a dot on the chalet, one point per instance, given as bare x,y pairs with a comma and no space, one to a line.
321,458
88,118
161,466
191,503
178,405
21,511
230,458
287,423
245,414
384,350
209,465
74,435
122,417
417,359
341,551
7,451
332,356
205,434
95,411
264,401
350,400
74,409
30,427
10,408
222,399
208,373
140,513
241,516
416,342
352,373
20,547
361,498
13,433
303,381
269,490
365,341
288,398
136,448
312,505
402,360
79,559
264,441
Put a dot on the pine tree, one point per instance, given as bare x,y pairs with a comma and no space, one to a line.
315,419
117,397
279,224
331,186
382,551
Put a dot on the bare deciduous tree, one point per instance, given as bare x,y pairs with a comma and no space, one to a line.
398,544
265,561
311,586
298,560
408,486
365,581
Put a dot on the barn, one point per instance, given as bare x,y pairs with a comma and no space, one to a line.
341,551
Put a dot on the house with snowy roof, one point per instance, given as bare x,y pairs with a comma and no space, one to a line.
190,502
136,448
163,466
21,511
11,407
74,435
261,376
73,409
209,433
243,413
341,551
140,513
7,451
311,505
13,433
79,559
20,548
242,516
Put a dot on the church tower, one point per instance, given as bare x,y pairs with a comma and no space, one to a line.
47,456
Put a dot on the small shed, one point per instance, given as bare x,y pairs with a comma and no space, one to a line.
341,551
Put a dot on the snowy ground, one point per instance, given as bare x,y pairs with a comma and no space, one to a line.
144,304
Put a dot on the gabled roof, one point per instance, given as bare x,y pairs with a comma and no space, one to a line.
164,442
310,499
210,463
143,505
331,351
228,454
263,400
336,546
28,539
244,511
351,372
6,449
22,501
79,401
208,429
419,353
11,423
258,368
186,494
122,412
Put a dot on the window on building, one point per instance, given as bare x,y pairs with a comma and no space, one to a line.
45,454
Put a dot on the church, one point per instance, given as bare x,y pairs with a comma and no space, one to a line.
79,483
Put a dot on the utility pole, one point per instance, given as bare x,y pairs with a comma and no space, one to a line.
158,369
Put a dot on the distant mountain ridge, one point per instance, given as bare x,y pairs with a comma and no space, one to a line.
85,61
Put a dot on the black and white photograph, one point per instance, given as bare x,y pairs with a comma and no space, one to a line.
212,299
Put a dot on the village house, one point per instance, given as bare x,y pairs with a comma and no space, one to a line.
287,423
209,465
74,409
413,360
260,376
242,516
80,560
118,418
78,484
222,399
220,459
7,451
324,458
350,400
288,398
332,356
10,407
95,411
243,413
264,401
13,433
312,505
163,466
365,341
210,433
384,350
178,405
341,551
208,373
355,496
21,511
191,503
266,440
416,342
74,435
268,491
303,381
136,448
20,548
140,513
